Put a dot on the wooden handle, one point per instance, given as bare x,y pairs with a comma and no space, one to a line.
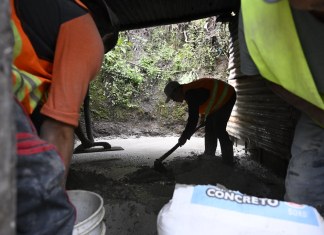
164,156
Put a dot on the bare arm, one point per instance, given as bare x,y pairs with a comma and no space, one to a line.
77,61
62,136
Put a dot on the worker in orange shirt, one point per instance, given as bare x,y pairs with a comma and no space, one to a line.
58,50
212,99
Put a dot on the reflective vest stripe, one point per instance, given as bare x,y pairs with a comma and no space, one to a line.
219,93
211,99
221,98
27,87
18,84
274,46
18,42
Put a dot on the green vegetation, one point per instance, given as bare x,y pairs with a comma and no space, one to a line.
130,84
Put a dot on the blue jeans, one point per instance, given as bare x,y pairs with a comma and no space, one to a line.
305,174
43,207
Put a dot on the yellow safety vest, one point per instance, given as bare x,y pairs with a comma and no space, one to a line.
274,46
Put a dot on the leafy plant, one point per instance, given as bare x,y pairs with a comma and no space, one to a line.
135,72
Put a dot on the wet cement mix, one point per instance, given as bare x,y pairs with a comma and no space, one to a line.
134,192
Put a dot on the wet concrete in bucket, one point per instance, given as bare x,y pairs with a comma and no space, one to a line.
134,192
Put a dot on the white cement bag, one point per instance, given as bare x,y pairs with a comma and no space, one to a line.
207,209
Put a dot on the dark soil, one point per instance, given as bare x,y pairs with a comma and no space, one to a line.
133,200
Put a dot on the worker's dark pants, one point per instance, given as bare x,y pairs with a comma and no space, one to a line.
43,207
215,129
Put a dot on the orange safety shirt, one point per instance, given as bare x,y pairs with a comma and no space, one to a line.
57,52
219,93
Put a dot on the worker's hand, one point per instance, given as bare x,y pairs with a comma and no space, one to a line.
182,140
62,136
202,119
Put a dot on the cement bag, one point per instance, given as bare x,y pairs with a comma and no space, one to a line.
207,209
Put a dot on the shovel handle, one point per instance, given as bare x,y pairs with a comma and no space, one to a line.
164,156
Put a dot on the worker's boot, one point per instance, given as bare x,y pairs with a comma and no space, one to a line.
227,153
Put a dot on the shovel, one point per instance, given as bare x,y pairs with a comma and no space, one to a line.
158,165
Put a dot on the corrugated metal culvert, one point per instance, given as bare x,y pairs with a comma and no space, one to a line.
261,118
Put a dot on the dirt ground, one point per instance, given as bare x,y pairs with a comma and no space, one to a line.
134,192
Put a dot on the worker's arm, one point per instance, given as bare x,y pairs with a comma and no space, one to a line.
202,119
62,136
77,61
194,99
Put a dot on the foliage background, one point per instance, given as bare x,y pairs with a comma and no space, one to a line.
133,75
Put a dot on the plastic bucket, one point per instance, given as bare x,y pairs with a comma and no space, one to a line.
90,212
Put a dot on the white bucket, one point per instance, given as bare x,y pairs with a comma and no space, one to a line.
90,212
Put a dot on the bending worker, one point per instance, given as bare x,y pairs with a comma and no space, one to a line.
283,41
214,100
58,50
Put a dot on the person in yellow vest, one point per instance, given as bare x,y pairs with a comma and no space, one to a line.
58,50
283,41
212,99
